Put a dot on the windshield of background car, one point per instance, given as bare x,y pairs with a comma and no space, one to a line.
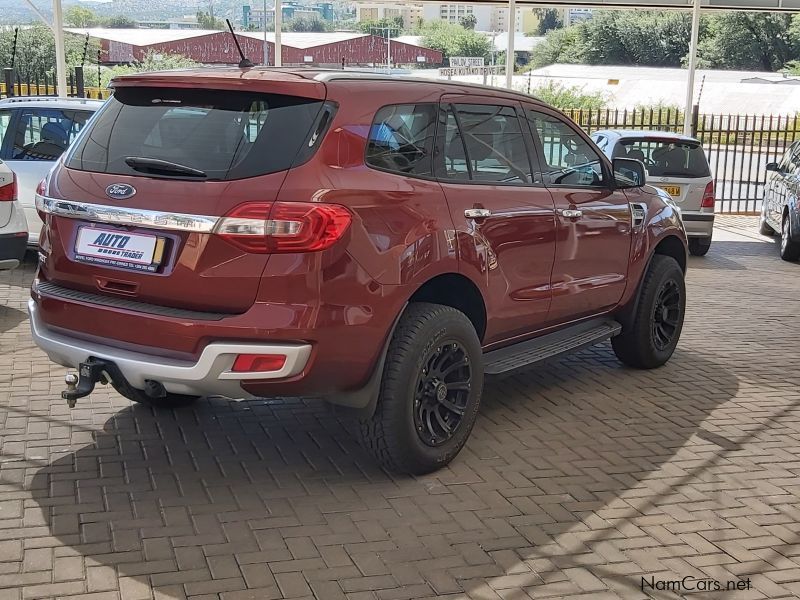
666,158
224,134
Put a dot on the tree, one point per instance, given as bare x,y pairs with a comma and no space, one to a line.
743,40
79,16
549,19
120,22
648,38
560,46
395,26
569,97
151,62
209,21
36,50
306,24
468,21
453,40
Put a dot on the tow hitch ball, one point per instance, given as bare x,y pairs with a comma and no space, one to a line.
82,383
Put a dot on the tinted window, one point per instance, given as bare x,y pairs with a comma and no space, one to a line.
217,134
566,158
44,133
666,158
401,139
485,143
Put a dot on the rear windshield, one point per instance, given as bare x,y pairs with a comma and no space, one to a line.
194,133
666,158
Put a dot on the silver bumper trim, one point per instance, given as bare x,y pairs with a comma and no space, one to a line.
211,375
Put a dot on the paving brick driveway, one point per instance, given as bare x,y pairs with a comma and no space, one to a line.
580,477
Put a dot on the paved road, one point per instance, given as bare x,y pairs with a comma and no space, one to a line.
581,477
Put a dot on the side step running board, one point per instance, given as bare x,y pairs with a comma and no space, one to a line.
547,346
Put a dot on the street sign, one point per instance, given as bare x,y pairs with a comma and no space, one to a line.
461,71
466,61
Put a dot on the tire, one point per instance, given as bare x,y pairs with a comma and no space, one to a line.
790,250
404,434
167,402
646,345
699,246
765,228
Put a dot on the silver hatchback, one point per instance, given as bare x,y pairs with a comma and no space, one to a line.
676,164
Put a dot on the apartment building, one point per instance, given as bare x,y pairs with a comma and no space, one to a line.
375,11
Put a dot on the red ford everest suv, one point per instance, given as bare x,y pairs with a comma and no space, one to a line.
381,242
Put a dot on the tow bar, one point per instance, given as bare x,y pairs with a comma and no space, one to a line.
89,373
97,370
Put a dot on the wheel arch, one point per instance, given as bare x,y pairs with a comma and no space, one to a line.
671,246
457,291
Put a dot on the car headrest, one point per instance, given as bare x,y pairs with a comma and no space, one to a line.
55,134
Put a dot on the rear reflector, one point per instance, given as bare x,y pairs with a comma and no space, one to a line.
265,227
708,196
258,363
8,193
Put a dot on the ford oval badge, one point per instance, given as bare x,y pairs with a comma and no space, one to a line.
120,191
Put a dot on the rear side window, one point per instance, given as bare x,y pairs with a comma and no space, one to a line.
401,139
666,158
45,133
483,143
201,134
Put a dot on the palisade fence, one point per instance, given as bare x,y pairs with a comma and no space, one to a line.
738,146
15,83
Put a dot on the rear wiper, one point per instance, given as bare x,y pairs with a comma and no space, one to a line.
161,167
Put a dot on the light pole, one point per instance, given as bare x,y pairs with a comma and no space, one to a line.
57,27
689,109
512,26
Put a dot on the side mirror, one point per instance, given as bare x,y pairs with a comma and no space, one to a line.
629,173
773,167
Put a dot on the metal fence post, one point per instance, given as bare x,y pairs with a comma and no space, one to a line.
8,78
695,119
79,82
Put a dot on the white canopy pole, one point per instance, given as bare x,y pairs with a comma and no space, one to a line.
689,109
278,18
61,54
512,23
266,46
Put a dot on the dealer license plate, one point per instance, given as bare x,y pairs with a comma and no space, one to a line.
138,251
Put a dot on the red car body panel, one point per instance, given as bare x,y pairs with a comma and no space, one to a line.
535,269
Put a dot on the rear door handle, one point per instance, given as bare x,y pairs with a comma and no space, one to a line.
569,213
477,213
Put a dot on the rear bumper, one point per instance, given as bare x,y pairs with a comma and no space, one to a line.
12,249
210,375
698,224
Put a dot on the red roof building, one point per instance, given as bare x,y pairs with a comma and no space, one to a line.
217,47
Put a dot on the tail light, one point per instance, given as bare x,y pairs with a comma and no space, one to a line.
272,227
708,196
8,192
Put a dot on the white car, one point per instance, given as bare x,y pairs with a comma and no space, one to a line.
13,228
34,132
676,164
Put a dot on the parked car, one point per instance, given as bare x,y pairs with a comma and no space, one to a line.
34,132
676,164
780,210
13,229
252,233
